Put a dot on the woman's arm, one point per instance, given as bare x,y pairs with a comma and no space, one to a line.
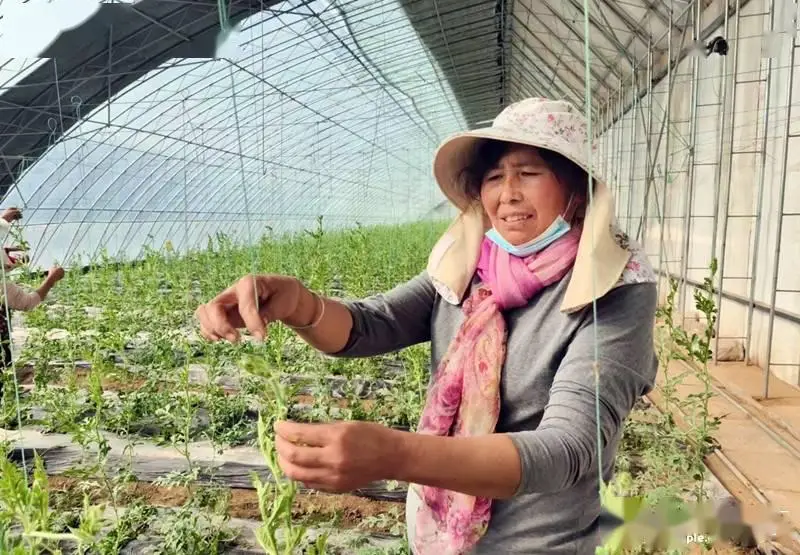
376,325
333,326
47,285
563,449
17,298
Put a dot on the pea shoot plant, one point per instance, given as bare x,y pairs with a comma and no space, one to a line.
661,469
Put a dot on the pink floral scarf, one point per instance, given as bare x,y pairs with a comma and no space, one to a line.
464,399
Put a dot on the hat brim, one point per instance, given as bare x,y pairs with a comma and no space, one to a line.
455,153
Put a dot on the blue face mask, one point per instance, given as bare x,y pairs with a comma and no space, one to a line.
555,231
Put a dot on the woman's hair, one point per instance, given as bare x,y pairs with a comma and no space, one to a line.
488,152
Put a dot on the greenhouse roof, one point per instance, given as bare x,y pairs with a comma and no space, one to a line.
125,115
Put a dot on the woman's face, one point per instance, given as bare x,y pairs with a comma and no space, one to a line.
521,195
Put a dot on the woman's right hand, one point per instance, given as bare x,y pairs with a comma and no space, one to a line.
11,214
252,302
56,273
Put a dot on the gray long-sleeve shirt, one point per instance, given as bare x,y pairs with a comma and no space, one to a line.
548,399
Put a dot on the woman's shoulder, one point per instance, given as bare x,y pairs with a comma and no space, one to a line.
638,269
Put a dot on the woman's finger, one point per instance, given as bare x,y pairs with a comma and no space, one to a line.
315,435
303,474
248,300
299,455
202,319
219,324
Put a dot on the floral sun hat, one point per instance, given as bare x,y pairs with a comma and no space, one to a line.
539,122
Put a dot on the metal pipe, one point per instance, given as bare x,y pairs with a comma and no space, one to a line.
649,139
609,141
709,29
604,141
760,203
779,226
621,136
690,174
743,301
634,131
667,115
718,178
721,116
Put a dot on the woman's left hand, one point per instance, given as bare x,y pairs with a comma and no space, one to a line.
337,457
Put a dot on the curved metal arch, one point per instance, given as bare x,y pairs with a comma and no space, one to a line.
116,149
200,27
232,195
148,202
298,169
343,18
153,149
184,74
228,191
170,179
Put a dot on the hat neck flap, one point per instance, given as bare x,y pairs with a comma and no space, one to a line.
598,266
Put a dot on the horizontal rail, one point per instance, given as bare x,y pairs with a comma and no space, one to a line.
740,299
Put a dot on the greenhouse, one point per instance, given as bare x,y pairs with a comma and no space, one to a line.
159,154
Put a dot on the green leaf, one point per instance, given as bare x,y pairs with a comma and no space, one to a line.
625,508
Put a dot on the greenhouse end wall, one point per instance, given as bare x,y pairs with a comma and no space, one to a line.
743,139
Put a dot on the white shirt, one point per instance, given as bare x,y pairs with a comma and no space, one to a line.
19,298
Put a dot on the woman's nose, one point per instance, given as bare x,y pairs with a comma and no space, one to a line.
510,191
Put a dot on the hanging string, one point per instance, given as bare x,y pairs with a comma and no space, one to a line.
248,223
589,146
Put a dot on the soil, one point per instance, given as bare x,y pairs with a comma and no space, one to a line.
349,510
721,550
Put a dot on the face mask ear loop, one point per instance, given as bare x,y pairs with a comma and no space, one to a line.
569,211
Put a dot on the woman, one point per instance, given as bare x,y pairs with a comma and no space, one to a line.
14,297
505,455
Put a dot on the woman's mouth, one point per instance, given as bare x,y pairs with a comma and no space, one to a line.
516,218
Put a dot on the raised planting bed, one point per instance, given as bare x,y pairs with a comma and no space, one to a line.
232,468
145,518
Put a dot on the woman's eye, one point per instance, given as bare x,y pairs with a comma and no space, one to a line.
530,174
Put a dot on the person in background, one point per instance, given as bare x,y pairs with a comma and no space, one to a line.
505,456
13,296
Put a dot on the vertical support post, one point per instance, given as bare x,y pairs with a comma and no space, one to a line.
621,149
667,116
647,171
620,140
760,203
728,174
721,143
601,140
634,131
776,261
689,201
608,138
108,80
